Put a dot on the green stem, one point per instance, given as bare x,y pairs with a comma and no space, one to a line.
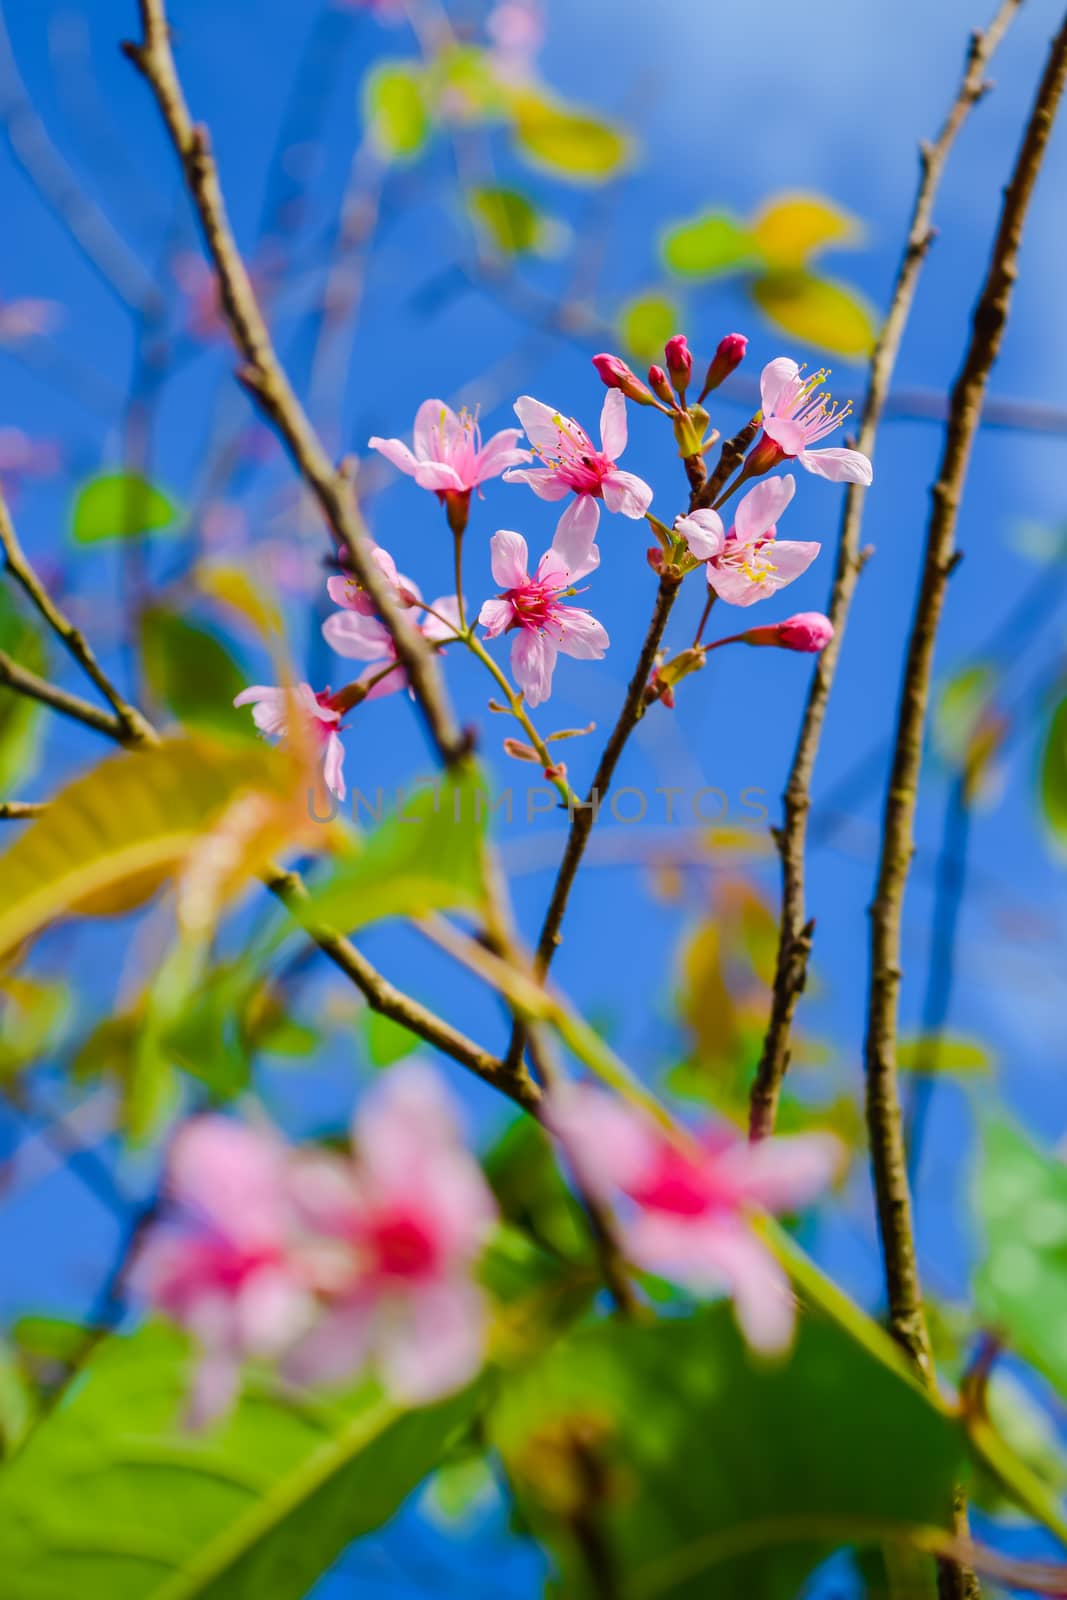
522,717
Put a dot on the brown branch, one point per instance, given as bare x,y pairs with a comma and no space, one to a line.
24,682
795,933
19,810
265,378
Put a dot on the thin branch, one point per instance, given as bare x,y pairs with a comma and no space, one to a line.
265,378
906,1317
27,683
19,810
795,934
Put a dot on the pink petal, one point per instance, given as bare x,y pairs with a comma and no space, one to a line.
396,451
436,1345
445,624
501,451
495,617
337,1348
791,557
332,762
215,1385
540,422
574,539
357,637
735,587
703,533
783,1174
788,435
533,661
545,482
759,510
624,492
609,1145
435,424
581,635
613,427
232,1175
777,376
763,1301
509,558
390,683
839,465
273,1309
270,706
438,475
344,592
404,1117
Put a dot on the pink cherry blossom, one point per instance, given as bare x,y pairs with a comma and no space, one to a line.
571,461
808,631
796,414
348,592
686,1209
408,1217
727,358
28,319
750,563
225,1264
272,712
534,607
359,635
449,456
23,458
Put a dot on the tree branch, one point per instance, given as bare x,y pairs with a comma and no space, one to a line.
24,682
795,933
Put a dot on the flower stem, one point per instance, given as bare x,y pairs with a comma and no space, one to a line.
457,545
704,615
522,717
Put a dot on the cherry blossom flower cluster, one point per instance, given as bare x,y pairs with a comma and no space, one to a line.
327,1265
743,562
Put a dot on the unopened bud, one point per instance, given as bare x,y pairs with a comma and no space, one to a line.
689,430
657,382
809,631
615,374
679,362
727,358
763,457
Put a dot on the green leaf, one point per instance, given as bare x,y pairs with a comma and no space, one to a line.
567,140
396,107
428,857
121,505
387,1041
193,674
525,1177
949,1055
791,229
108,1498
819,311
16,1404
511,221
32,1011
20,717
1054,775
703,1473
1021,1283
646,323
961,704
709,246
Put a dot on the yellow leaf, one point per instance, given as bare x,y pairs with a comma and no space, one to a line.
571,142
793,228
818,311
231,586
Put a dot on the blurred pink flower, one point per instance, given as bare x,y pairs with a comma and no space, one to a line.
203,318
449,456
384,10
686,1213
272,710
535,606
572,461
225,1265
359,635
796,414
408,1218
28,319
516,29
22,458
750,563
347,592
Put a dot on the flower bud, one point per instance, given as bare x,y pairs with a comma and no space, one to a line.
763,457
690,428
728,357
657,382
809,631
679,362
615,374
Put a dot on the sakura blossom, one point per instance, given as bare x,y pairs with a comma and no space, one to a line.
350,594
806,631
749,563
224,1262
535,608
449,456
796,414
359,635
727,358
273,709
401,1225
686,1209
571,461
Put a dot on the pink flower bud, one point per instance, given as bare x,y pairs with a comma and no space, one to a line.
764,456
809,631
657,382
679,361
615,374
728,357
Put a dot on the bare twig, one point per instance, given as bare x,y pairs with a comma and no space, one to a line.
27,683
265,379
795,934
19,810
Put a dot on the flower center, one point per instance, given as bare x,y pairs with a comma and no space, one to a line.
401,1247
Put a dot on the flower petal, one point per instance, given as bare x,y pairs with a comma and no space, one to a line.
444,624
574,539
580,634
759,510
396,451
839,465
435,424
270,706
509,557
437,1344
703,532
495,617
357,636
332,762
438,476
791,557
783,1174
545,482
335,1349
777,377
609,1145
613,427
541,423
232,1175
533,661
501,451
626,493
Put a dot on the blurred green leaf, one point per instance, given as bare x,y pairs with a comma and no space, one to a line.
32,1012
1029,1432
110,1498
709,246
818,311
511,221
120,505
949,1055
1054,775
698,1472
464,86
1021,1281
16,1404
396,107
426,858
192,673
387,1041
646,323
569,141
961,703
790,229
125,1050
20,717
525,1177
